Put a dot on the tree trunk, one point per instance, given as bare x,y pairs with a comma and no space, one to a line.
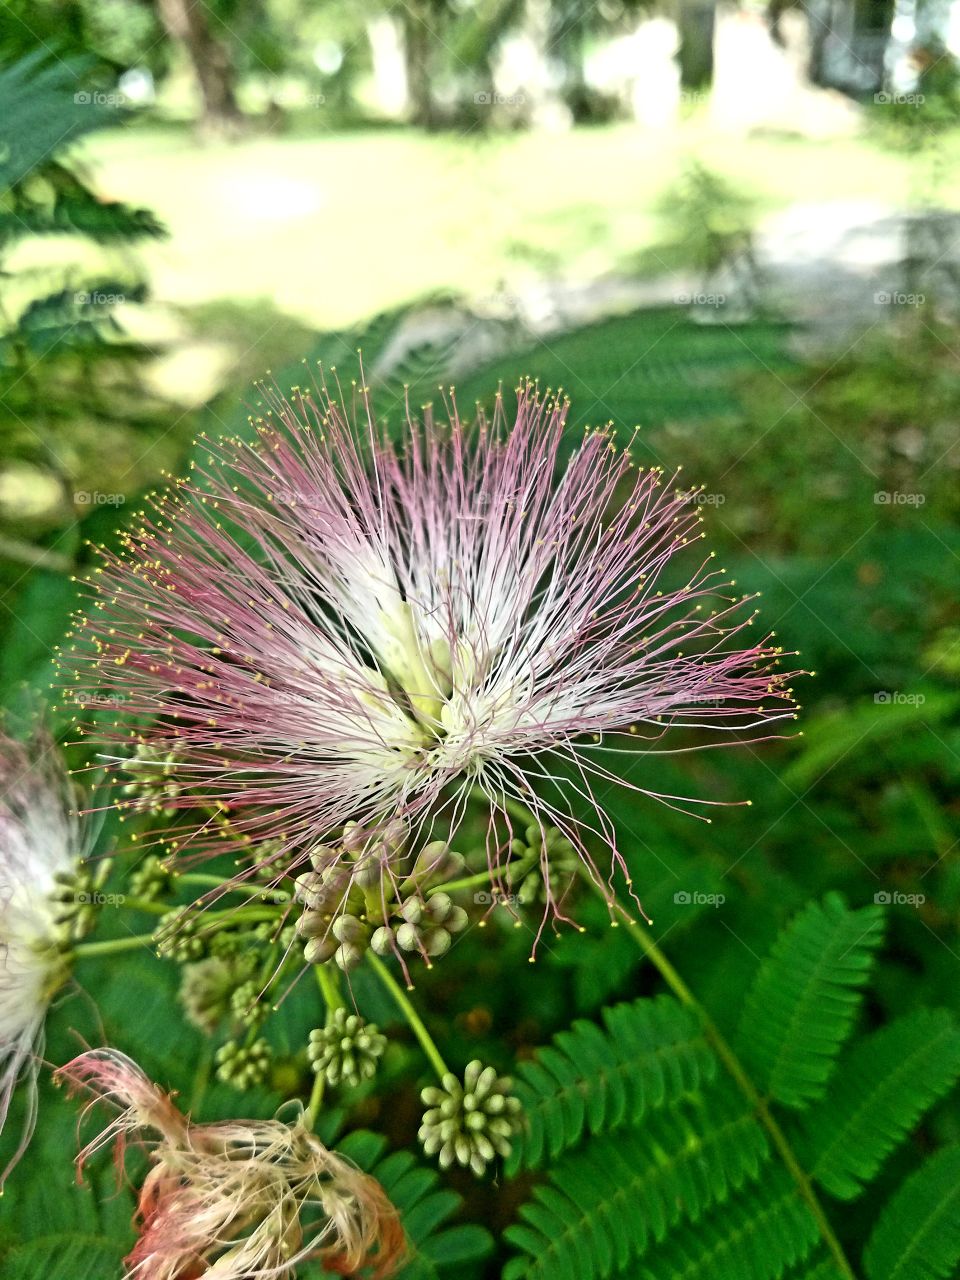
418,40
187,24
695,22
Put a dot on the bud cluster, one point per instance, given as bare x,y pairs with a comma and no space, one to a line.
219,989
362,895
244,1066
153,779
539,847
469,1122
151,880
347,1049
74,900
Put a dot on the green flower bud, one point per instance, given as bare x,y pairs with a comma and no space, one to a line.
244,1066
206,988
347,1050
151,879
176,937
408,937
75,898
469,1123
350,929
412,911
153,784
382,942
319,950
348,956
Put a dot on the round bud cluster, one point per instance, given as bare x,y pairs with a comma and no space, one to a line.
151,880
424,925
525,875
329,895
153,783
206,989
74,898
246,1005
343,898
244,1066
347,1049
177,937
469,1123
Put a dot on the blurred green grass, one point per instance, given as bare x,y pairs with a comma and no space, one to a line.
269,217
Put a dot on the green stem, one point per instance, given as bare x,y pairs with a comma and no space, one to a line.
242,915
202,1078
216,882
143,904
316,1098
403,1003
733,1065
329,985
520,867
111,945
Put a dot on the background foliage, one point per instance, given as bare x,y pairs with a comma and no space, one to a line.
819,928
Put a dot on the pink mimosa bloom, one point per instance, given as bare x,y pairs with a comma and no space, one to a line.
327,628
42,843
238,1199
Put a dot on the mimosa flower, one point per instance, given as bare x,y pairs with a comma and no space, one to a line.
328,629
239,1199
42,844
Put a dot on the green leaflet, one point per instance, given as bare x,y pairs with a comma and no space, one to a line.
805,997
425,1208
882,1087
918,1234
650,1053
606,1204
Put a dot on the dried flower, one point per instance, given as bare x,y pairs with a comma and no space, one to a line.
42,907
327,630
241,1199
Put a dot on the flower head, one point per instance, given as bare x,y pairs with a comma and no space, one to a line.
329,629
42,843
470,1121
244,1199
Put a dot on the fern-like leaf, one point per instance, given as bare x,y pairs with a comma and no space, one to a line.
805,997
604,1204
423,1206
825,1270
753,1237
651,1052
881,1088
918,1234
